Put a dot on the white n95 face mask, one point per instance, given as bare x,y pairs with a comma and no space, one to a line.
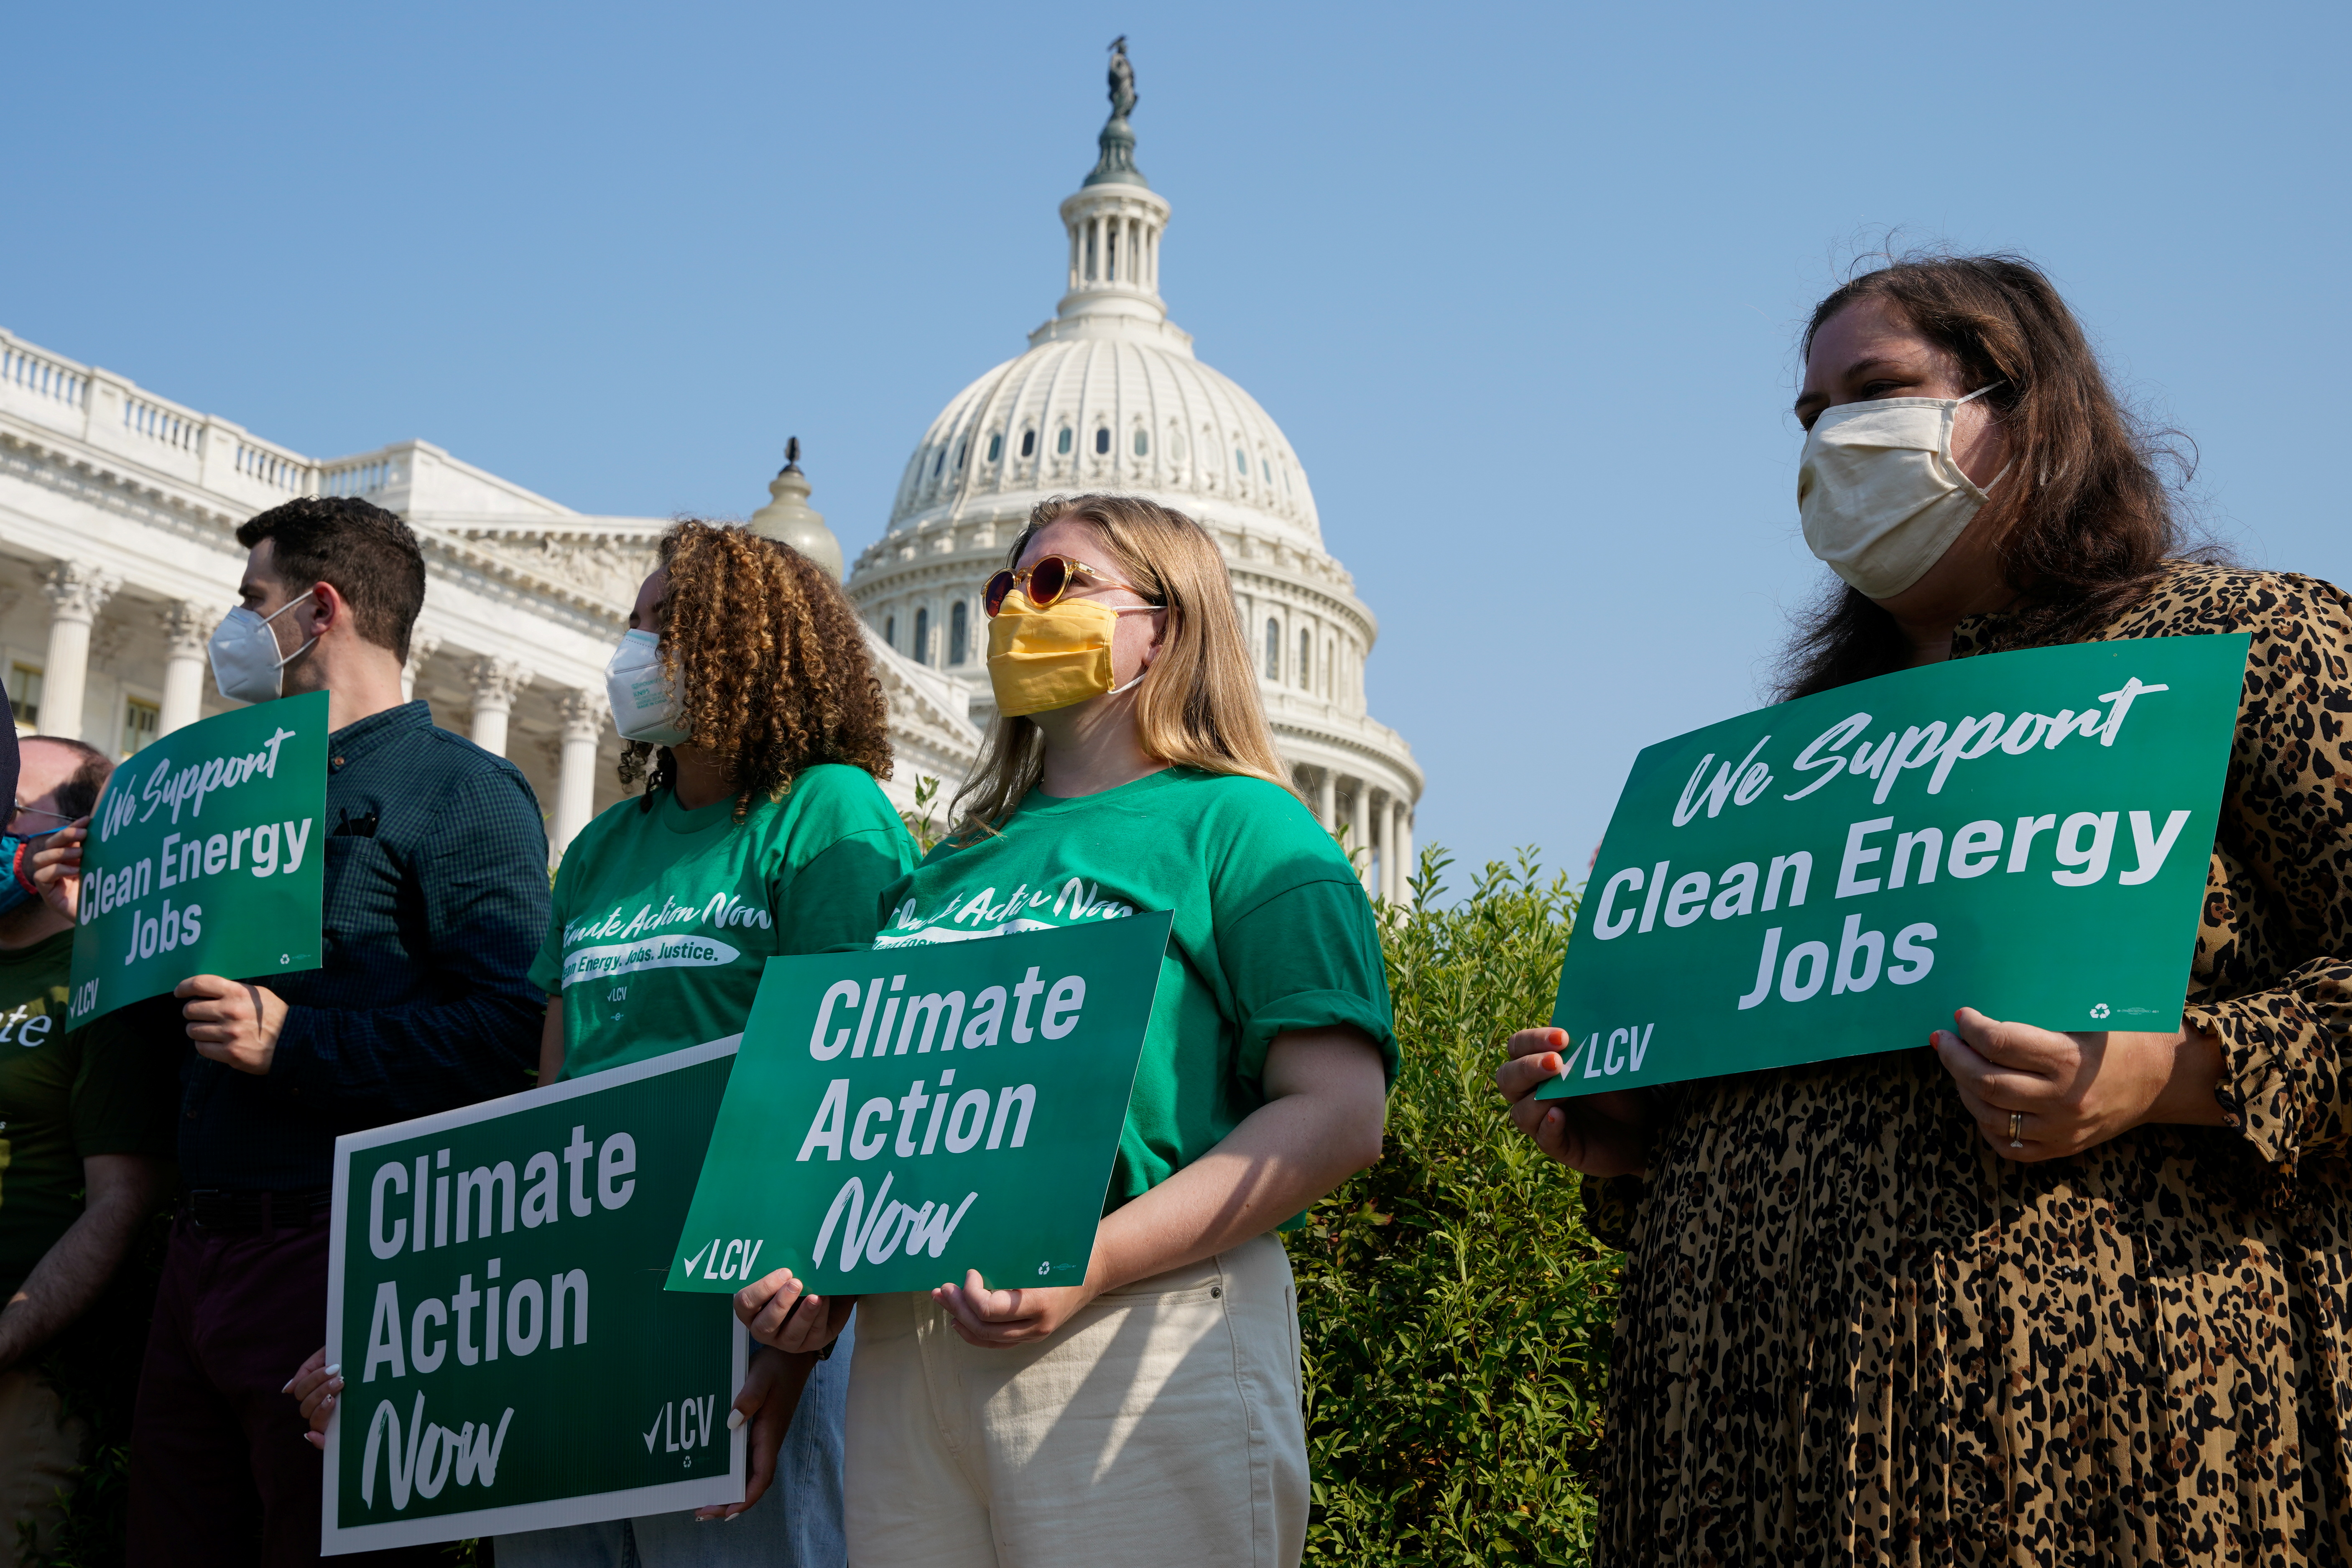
644,707
246,665
1880,493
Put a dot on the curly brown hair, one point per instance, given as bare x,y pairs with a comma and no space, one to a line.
771,660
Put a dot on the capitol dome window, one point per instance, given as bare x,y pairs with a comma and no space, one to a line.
1102,439
958,633
996,448
922,649
890,631
939,465
1306,660
1273,650
1062,443
1028,443
959,454
1241,462
1143,442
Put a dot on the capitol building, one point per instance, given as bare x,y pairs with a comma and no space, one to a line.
119,510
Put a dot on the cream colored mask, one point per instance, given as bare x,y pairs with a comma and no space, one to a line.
1042,660
1879,492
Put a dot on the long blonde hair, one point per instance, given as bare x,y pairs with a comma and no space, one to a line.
1199,708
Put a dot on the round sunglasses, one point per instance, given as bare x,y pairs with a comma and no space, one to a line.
1046,582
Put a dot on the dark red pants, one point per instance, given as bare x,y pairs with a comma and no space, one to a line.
219,1472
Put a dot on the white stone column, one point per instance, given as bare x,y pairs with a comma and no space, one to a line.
1326,801
1400,852
187,627
420,649
583,714
1367,837
496,683
76,593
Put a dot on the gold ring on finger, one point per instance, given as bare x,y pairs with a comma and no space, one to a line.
2016,1130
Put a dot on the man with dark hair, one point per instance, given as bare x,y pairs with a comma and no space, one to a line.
436,901
85,1153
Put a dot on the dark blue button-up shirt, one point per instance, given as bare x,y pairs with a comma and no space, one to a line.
435,903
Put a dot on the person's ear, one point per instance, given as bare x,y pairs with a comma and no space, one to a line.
1162,624
323,609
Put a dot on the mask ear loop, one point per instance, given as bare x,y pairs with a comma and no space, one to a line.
1985,488
1132,609
298,653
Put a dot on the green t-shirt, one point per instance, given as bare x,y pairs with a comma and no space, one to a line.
99,1089
665,918
1272,933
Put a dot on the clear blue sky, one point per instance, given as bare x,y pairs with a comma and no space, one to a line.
1521,284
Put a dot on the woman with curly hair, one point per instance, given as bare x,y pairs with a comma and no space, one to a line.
743,691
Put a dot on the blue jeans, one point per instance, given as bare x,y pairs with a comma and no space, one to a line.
797,1524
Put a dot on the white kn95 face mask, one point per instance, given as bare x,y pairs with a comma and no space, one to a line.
644,708
1879,492
247,665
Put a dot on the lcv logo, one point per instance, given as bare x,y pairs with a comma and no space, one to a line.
1628,1047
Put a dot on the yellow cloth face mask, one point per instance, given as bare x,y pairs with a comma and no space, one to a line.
1042,660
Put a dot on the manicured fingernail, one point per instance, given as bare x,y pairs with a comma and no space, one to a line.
288,1388
734,1419
336,1369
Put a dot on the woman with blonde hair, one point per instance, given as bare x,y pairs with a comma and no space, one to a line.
1151,1415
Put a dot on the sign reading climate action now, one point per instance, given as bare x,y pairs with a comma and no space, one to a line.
899,1117
494,1295
205,855
2024,833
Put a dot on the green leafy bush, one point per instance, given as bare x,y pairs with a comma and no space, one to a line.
1454,1313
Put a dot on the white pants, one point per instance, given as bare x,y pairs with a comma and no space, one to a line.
1161,1425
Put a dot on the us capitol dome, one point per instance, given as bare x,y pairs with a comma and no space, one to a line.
1109,396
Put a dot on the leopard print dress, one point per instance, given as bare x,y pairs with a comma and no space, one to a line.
1851,1332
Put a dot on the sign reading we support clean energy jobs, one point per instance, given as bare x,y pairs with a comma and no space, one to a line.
2026,834
494,1295
901,1116
205,857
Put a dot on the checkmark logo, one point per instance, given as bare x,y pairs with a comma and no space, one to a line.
656,1431
697,1258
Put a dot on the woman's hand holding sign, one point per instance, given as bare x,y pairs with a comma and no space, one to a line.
2073,1092
1604,1135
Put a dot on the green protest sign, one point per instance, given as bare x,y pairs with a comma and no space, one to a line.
2022,833
494,1294
205,855
899,1116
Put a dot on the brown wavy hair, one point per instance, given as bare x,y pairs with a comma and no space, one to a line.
771,660
2083,521
1198,707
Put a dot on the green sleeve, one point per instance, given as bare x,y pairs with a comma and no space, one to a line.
1308,958
126,1089
832,901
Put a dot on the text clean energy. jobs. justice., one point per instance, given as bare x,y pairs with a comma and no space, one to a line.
495,1299
2026,834
205,855
899,1116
